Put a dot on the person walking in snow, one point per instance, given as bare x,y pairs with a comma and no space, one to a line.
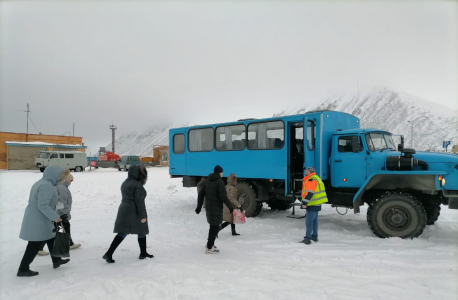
313,195
64,206
215,194
231,191
39,219
132,217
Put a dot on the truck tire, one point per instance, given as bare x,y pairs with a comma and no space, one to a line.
78,169
280,205
42,170
396,214
432,213
119,168
247,199
258,209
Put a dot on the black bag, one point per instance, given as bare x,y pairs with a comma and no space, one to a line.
61,243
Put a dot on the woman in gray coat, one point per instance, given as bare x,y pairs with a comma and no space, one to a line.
39,218
132,217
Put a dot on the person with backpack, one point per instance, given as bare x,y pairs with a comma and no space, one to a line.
214,191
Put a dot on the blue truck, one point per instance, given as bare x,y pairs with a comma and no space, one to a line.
404,189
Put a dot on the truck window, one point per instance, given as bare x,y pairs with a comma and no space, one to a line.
200,140
61,155
69,155
267,135
311,133
230,138
376,141
54,155
345,144
178,144
43,155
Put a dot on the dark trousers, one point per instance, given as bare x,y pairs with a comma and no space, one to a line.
67,230
32,250
225,224
212,233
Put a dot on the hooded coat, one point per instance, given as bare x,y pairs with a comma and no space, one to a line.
231,191
132,208
215,195
37,224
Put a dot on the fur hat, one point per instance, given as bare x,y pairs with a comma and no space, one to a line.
64,175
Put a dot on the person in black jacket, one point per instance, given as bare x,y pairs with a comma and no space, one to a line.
214,191
132,217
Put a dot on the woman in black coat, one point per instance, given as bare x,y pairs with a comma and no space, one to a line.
132,218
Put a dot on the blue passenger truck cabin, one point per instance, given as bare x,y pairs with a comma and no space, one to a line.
404,189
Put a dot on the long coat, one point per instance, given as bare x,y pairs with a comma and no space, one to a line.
132,209
232,196
37,224
65,197
215,194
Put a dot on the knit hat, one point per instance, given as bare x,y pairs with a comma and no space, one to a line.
311,169
218,169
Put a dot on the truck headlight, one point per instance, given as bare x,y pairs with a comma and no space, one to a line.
443,182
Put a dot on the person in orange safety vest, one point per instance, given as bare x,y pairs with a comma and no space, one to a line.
313,195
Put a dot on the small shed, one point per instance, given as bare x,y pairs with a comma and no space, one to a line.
161,155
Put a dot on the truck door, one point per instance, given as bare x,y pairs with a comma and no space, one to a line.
295,157
177,142
309,142
348,162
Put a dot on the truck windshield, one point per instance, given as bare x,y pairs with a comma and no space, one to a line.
379,141
43,155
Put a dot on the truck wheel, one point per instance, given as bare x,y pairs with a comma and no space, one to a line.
78,169
258,209
396,214
125,169
247,198
280,205
42,170
432,213
119,169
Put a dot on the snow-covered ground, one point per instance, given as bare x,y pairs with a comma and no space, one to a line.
265,262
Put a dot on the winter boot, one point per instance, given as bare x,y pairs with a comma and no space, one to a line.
27,273
213,250
75,246
143,253
60,262
233,230
315,240
307,242
43,253
109,255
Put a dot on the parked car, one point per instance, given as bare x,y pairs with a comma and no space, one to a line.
127,161
73,160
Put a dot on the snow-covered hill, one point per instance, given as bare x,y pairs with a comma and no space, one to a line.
390,110
376,107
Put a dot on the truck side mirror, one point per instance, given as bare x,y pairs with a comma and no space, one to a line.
400,147
355,144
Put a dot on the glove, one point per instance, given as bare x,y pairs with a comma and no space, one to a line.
64,218
198,210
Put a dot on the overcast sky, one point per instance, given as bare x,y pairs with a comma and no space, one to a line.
142,64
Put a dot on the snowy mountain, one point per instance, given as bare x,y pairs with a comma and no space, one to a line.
376,107
391,110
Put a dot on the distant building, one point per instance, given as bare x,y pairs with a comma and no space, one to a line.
455,149
161,155
19,150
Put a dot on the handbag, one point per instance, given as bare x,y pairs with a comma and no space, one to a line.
61,243
239,216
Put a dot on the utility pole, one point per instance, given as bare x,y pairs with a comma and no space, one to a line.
73,129
113,129
27,134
